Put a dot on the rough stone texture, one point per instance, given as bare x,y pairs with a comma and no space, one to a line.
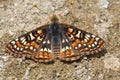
100,17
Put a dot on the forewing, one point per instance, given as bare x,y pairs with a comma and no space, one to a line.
81,41
29,44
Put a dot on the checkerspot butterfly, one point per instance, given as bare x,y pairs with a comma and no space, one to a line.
55,40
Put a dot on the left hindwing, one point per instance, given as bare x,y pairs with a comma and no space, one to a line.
81,42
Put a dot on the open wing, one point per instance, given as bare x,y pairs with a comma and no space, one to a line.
78,42
30,45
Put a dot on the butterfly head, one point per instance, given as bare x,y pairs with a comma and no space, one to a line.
54,19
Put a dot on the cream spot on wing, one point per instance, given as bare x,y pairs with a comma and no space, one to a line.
13,42
18,48
78,34
63,41
34,49
97,38
44,42
85,40
67,47
23,40
48,42
93,45
88,35
66,40
25,43
93,36
70,47
41,49
31,36
45,49
76,47
39,39
16,39
26,47
89,46
49,51
71,37
84,44
31,47
21,49
79,45
15,46
63,49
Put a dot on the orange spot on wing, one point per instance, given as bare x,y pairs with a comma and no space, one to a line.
28,38
43,57
70,30
69,56
62,55
28,44
19,45
10,46
23,55
7,50
67,53
75,43
39,55
35,34
81,50
83,42
30,53
101,41
46,55
40,31
41,61
34,44
91,41
51,56
86,48
74,32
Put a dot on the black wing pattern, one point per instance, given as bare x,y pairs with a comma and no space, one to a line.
32,45
78,42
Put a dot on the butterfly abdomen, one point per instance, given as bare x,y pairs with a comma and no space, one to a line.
56,50
56,45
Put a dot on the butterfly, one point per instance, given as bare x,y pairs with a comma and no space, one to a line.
55,40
